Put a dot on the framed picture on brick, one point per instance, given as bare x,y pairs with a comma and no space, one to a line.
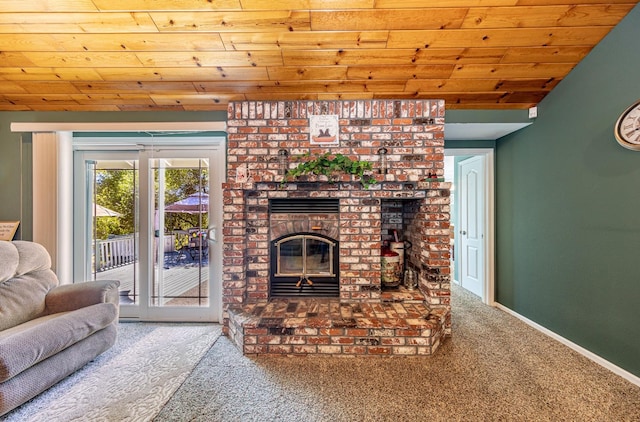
324,129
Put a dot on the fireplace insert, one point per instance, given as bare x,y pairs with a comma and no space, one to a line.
304,265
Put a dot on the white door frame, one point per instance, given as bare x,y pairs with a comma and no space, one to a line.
488,296
217,167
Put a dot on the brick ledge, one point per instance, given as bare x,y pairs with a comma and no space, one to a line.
334,328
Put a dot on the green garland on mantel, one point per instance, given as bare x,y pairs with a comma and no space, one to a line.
331,166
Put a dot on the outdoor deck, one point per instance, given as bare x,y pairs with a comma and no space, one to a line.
179,280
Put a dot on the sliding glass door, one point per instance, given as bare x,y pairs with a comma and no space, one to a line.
151,218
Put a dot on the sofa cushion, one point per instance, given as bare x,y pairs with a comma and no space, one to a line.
9,258
25,280
27,344
22,298
33,257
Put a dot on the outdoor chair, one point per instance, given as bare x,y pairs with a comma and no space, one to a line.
197,243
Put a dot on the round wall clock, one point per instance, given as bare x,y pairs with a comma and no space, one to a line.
627,129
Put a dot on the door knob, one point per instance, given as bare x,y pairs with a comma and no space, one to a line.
463,232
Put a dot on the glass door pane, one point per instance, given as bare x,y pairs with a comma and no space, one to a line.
181,219
114,228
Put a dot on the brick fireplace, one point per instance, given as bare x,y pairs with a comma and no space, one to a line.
362,316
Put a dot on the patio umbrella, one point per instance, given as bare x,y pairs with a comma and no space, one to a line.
100,211
196,203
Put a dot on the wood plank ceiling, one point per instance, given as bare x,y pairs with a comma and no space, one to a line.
113,55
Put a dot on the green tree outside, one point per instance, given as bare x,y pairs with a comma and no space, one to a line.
118,190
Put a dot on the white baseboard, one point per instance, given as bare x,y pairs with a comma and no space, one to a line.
590,355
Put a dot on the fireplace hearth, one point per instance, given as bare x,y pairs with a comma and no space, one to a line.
302,261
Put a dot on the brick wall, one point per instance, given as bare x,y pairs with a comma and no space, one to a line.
413,133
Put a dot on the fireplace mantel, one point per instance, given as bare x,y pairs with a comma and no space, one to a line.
395,190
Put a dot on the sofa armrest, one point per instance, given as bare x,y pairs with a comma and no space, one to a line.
69,297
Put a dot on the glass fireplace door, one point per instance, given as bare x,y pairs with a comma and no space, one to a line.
304,265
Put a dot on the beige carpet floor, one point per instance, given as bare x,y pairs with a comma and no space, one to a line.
495,368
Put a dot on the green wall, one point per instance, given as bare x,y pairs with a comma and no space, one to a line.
15,153
568,207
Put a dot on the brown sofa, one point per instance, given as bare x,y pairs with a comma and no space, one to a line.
47,330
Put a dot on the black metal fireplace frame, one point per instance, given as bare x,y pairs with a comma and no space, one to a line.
297,286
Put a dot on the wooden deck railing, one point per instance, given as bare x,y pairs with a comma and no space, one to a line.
115,252
119,251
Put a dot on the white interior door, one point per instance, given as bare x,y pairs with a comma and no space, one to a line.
471,225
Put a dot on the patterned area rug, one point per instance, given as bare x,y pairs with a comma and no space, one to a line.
139,373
